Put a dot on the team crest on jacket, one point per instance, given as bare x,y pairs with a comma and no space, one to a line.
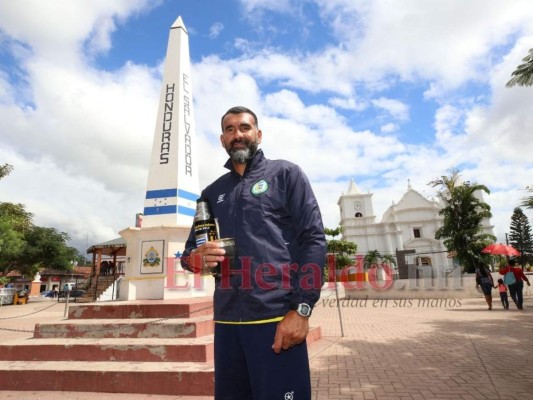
259,187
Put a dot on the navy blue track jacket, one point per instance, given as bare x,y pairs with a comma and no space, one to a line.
273,215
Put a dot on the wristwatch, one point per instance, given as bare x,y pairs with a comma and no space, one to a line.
303,309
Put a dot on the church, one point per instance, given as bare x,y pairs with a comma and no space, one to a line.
407,227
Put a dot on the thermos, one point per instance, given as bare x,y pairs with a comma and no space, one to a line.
205,225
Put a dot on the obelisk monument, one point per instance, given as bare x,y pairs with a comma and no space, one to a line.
173,185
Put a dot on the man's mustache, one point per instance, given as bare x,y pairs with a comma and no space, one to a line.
240,141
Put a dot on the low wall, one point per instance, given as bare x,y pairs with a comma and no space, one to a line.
455,286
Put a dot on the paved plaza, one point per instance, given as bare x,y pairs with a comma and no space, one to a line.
391,349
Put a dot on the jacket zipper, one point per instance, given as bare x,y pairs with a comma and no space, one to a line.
237,200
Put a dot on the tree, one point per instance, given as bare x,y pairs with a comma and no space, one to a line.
15,222
25,247
371,259
463,214
523,74
520,235
16,216
342,249
46,247
390,260
527,202
5,170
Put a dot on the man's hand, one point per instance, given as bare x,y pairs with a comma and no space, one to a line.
206,256
291,330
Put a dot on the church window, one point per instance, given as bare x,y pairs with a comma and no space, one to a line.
416,233
423,261
358,215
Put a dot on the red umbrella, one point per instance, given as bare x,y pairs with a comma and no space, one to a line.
501,249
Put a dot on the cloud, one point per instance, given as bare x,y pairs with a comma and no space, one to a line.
395,108
389,128
347,103
215,30
61,28
80,136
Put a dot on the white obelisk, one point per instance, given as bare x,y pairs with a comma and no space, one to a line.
172,189
173,184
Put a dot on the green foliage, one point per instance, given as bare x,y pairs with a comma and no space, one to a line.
389,260
27,248
527,202
11,244
371,259
14,223
523,74
462,230
5,170
16,216
520,236
342,250
46,247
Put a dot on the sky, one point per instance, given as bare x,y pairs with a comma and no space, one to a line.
384,92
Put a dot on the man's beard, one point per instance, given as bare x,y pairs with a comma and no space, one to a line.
241,156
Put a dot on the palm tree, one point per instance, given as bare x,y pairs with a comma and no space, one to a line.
372,259
389,260
523,74
463,214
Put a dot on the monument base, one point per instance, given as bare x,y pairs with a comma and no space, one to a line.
152,269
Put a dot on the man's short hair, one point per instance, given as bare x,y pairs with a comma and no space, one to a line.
239,110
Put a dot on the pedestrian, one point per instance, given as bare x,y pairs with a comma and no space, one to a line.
516,288
262,308
484,279
502,288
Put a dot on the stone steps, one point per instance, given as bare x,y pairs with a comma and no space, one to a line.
167,378
124,328
144,347
179,308
116,349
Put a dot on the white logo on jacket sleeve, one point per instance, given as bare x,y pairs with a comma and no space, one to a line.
259,187
221,198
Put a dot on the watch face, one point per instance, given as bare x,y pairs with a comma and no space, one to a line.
304,309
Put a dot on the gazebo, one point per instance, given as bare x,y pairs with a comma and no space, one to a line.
113,248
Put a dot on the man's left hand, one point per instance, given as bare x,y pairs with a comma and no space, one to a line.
291,330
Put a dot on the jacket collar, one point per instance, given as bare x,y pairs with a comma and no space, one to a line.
250,165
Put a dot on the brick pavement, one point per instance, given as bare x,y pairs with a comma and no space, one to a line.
391,349
424,349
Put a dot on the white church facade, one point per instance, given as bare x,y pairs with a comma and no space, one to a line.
407,226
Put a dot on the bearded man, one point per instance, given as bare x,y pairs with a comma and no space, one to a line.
262,306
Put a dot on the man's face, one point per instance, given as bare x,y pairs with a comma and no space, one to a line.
240,137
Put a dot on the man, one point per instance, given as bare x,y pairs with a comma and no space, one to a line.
516,288
262,307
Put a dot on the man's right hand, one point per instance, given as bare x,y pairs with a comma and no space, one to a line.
208,255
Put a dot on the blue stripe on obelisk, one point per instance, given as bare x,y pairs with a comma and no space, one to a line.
170,209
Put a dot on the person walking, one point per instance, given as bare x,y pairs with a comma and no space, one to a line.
502,289
261,307
516,288
484,279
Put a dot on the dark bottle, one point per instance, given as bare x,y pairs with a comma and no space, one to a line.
205,226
